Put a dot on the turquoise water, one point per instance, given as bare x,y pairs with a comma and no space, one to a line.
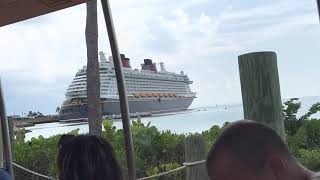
191,121
195,120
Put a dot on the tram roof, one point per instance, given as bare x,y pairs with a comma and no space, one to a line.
12,11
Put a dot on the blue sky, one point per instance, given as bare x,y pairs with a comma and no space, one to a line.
39,57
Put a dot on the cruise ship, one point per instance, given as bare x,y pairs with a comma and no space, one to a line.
148,90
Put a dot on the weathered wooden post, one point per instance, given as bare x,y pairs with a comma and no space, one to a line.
195,150
260,88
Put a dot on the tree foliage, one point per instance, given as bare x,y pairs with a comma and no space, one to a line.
32,114
158,151
303,133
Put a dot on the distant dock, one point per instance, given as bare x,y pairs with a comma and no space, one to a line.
22,122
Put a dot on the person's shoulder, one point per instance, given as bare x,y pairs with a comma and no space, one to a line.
316,176
4,175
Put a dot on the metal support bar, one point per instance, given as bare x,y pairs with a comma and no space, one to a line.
121,89
32,172
318,2
6,143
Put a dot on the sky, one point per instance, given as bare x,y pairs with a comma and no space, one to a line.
39,57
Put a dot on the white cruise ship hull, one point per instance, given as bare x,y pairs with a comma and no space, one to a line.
79,110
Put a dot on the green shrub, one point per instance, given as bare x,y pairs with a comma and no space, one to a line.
158,151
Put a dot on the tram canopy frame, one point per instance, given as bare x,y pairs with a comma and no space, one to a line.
12,11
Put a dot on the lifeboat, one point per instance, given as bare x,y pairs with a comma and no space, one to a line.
165,94
136,95
154,94
142,94
149,94
130,96
174,94
160,94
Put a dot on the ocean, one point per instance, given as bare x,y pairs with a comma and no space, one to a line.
190,121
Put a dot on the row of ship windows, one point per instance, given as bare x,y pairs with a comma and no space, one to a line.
141,88
153,81
77,80
155,88
136,85
152,74
128,82
84,76
84,83
104,91
114,91
155,77
102,88
81,79
107,71
105,84
84,88
113,95
155,84
139,74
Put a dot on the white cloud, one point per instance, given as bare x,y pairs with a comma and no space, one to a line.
45,52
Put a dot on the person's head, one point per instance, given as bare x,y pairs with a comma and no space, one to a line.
247,150
87,157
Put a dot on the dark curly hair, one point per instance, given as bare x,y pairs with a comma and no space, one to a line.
87,157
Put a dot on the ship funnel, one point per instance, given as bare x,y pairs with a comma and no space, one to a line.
162,68
102,57
149,65
125,61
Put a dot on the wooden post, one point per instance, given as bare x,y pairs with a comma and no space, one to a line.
195,150
260,88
